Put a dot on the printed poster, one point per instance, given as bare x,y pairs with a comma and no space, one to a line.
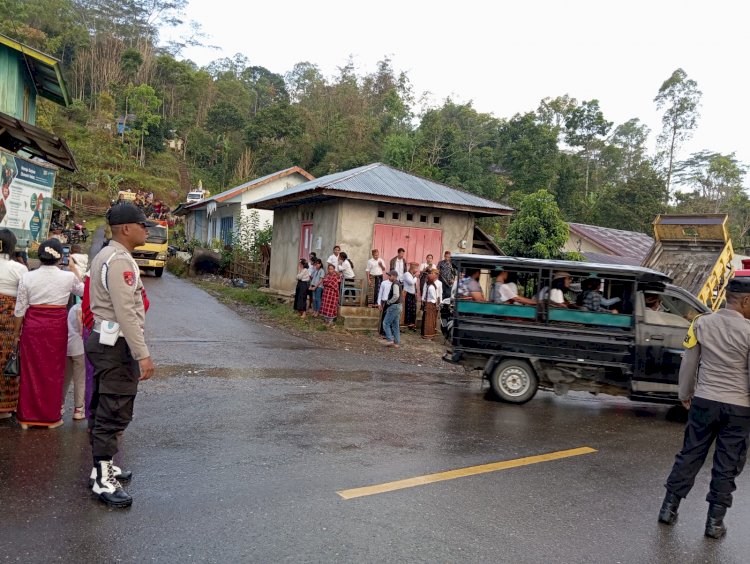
26,197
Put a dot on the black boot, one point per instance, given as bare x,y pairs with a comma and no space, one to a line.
108,488
715,527
668,512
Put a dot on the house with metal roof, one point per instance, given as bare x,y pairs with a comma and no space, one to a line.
373,207
26,73
604,245
218,216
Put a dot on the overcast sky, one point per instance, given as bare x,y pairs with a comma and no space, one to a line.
506,56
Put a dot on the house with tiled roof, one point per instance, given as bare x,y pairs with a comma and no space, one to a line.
218,216
605,245
373,207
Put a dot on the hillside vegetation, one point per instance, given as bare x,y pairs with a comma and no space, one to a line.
234,120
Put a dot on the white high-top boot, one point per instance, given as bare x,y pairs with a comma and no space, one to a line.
108,488
120,474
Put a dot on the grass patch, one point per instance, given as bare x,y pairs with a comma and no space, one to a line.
177,266
281,313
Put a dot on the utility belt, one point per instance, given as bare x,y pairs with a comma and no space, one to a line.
109,332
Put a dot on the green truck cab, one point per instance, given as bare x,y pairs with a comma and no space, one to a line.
520,349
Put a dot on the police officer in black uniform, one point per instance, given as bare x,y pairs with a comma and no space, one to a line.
117,347
715,387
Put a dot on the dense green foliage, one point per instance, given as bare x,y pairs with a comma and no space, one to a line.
234,120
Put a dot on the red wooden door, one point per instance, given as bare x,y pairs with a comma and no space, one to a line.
418,242
305,240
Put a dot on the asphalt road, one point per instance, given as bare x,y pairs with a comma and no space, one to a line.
243,439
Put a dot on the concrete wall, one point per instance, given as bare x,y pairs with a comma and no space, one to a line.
351,224
287,229
274,187
577,243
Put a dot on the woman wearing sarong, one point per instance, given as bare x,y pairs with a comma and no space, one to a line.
430,303
42,318
303,283
329,307
411,292
11,272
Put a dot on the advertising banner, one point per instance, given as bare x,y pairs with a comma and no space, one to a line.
26,198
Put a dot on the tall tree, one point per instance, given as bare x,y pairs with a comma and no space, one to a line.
585,126
538,230
679,97
716,179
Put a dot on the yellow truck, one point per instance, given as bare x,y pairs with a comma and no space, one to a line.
696,252
153,255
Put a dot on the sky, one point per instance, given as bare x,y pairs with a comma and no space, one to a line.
506,56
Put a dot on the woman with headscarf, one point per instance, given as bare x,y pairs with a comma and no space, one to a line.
329,307
11,272
42,320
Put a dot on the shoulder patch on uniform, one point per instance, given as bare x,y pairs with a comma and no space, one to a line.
690,339
129,277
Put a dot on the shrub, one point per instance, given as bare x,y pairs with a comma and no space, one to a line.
177,266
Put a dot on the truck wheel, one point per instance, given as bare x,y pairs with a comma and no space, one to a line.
158,272
514,381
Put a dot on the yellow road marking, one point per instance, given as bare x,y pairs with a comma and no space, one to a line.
462,473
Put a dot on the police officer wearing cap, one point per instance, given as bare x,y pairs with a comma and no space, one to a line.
715,386
117,347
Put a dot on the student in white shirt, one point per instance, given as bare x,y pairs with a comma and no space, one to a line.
345,267
385,289
411,295
374,270
398,263
431,296
80,259
334,258
505,291
75,366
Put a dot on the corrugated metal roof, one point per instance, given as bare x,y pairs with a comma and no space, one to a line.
617,241
237,190
379,180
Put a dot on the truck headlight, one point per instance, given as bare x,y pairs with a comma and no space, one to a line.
161,256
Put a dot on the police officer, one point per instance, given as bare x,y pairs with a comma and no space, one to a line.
714,387
117,347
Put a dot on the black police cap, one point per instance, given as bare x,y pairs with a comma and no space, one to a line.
120,214
739,285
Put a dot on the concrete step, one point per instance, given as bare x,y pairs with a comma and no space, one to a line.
346,311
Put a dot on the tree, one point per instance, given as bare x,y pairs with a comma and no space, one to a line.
679,97
716,179
584,126
554,112
143,103
537,231
630,140
633,204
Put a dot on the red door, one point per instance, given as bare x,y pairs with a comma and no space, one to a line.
418,242
305,240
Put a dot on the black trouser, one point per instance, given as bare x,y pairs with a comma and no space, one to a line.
116,376
447,288
708,422
377,281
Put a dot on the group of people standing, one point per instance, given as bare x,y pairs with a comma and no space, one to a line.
319,286
98,344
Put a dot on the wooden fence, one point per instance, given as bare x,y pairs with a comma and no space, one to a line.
252,272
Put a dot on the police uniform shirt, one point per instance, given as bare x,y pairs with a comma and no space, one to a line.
715,364
122,300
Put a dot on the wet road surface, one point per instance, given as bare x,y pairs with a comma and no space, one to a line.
242,440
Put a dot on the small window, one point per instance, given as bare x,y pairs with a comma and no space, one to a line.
423,218
436,219
396,216
409,217
381,214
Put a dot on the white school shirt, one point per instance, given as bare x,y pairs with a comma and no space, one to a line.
346,269
505,292
75,335
11,272
47,285
399,265
432,295
375,267
410,283
81,261
334,260
385,289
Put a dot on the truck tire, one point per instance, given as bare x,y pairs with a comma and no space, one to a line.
514,381
158,271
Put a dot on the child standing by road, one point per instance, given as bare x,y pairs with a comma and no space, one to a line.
75,368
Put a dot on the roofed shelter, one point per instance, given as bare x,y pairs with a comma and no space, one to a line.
372,207
218,216
26,73
608,246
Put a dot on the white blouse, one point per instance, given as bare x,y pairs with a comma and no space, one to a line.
410,283
11,272
345,268
48,285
